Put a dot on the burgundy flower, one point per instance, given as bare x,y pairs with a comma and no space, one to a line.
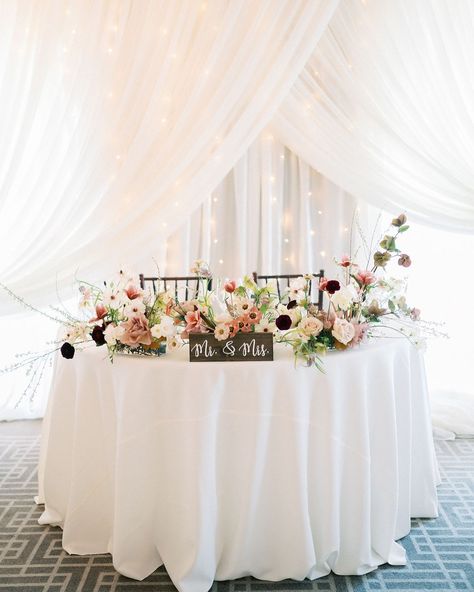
98,335
67,351
333,286
404,260
283,322
291,304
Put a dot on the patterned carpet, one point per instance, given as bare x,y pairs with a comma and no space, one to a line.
441,552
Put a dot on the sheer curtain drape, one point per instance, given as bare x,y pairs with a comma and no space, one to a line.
272,213
121,116
385,107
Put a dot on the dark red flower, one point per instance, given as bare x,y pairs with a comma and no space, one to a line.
291,304
67,351
283,322
333,286
98,335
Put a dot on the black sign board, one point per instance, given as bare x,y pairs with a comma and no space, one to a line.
243,347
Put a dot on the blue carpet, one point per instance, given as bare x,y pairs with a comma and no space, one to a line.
440,552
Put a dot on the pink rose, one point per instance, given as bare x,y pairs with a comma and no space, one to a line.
230,286
137,331
366,278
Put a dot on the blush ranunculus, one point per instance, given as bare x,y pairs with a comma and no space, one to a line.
366,277
136,331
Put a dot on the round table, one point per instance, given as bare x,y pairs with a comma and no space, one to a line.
222,470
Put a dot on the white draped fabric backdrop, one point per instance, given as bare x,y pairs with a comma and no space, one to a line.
235,131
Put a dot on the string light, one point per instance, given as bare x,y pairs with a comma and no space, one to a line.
320,212
109,50
272,179
322,253
287,240
221,261
215,200
216,241
118,157
312,233
282,156
310,193
164,224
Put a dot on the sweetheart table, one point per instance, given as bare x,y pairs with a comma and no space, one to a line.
224,470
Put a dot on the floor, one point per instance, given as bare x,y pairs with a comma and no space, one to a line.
440,552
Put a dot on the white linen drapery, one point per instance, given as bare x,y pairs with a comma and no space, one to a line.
122,116
272,213
384,108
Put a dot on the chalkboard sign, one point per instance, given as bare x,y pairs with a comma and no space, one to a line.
243,347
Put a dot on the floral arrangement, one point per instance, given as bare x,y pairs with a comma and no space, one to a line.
361,300
123,317
242,308
358,303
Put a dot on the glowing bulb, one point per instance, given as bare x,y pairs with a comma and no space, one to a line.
272,179
216,241
118,157
215,200
282,156
345,229
287,240
176,203
310,193
323,253
287,258
164,224
164,120
109,50
319,212
274,199
221,261
312,233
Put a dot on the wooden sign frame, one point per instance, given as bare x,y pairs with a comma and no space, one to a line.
243,347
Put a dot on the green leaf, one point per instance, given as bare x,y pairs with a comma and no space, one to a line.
403,228
391,305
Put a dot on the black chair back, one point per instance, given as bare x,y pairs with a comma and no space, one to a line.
190,284
283,281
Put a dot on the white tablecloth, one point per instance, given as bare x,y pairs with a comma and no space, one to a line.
222,470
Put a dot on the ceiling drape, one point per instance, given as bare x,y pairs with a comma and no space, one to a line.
122,116
385,107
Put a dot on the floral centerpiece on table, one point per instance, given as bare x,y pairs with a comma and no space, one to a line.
123,317
244,308
358,303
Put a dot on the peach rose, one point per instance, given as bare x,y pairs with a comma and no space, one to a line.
136,331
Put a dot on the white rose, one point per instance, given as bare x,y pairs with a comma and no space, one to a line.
343,299
165,328
113,333
310,326
343,331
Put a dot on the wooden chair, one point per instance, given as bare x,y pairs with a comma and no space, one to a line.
189,283
285,279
